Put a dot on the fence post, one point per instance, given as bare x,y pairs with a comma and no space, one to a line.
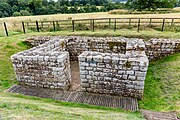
172,22
150,21
57,24
139,21
129,22
5,27
93,25
54,26
109,22
37,26
115,25
23,27
42,25
73,25
163,25
27,24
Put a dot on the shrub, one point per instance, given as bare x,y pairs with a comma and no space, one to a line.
25,13
16,14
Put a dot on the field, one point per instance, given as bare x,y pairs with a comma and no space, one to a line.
15,27
161,87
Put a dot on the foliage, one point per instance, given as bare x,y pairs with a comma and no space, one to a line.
43,7
24,13
150,4
16,14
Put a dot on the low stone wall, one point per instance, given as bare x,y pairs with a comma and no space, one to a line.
155,48
158,48
117,74
110,65
43,66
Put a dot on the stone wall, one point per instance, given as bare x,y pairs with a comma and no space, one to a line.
154,48
158,48
43,66
117,74
110,65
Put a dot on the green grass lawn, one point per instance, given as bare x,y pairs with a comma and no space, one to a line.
162,88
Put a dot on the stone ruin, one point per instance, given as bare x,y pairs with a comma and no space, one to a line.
111,65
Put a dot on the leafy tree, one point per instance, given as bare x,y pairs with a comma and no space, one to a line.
103,9
34,4
81,10
22,4
45,2
42,11
12,2
87,8
51,9
73,9
5,9
93,8
15,9
150,4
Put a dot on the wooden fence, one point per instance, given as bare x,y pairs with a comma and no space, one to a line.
100,23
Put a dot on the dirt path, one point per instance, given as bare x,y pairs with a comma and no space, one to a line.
150,115
75,76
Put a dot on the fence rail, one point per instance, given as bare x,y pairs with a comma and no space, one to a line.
98,23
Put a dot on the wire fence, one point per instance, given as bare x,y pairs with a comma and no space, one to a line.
160,24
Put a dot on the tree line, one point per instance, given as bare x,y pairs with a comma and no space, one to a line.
43,7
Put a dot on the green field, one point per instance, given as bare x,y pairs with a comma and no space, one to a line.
162,87
14,24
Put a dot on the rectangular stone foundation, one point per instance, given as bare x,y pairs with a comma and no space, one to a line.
113,65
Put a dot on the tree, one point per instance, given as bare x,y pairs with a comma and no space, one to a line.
81,10
178,3
12,2
34,4
150,4
93,8
15,9
5,9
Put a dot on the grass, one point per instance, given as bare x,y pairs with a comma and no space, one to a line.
23,107
15,27
162,87
20,107
146,34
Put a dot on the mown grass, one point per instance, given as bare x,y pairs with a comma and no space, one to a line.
162,87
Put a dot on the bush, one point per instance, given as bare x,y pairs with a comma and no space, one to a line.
25,13
16,14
